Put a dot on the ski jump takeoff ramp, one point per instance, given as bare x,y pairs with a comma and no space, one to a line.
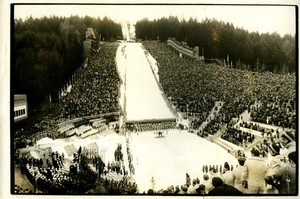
144,99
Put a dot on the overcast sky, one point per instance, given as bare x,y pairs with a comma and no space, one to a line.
280,19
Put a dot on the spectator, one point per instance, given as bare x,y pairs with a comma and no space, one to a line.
188,179
221,189
282,174
274,149
201,190
214,173
192,188
177,190
183,190
150,192
254,172
270,185
207,183
237,172
228,176
292,164
287,140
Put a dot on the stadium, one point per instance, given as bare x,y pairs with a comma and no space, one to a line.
148,117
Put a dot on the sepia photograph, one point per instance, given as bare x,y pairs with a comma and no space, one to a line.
154,99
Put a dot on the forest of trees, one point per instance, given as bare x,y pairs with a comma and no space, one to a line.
216,39
47,51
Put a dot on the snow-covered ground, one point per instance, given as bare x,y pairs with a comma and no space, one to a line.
168,159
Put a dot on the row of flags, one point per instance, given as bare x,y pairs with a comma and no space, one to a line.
68,86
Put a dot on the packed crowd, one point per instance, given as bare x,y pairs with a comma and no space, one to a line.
237,137
150,126
49,175
278,113
212,127
269,133
97,90
28,135
254,126
124,186
238,89
193,87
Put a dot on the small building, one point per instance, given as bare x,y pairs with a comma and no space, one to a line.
89,34
20,108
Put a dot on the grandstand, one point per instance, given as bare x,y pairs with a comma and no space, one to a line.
184,50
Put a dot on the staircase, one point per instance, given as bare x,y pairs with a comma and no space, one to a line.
211,116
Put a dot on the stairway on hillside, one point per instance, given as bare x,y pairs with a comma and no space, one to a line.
214,112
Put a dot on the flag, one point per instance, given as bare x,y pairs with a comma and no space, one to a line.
228,59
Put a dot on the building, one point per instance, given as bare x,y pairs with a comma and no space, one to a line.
89,34
20,107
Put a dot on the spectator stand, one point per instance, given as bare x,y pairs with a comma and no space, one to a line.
183,49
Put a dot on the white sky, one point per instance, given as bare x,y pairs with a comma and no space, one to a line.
280,19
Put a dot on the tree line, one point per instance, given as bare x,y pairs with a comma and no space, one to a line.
47,51
219,40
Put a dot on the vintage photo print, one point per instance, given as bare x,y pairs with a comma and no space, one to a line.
151,99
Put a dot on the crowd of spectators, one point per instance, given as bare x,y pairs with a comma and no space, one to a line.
97,89
276,113
194,86
212,127
150,126
94,91
29,134
49,175
124,186
237,137
257,127
184,81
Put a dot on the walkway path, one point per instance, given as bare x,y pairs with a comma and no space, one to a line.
213,113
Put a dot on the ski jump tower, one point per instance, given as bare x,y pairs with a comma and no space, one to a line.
128,30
